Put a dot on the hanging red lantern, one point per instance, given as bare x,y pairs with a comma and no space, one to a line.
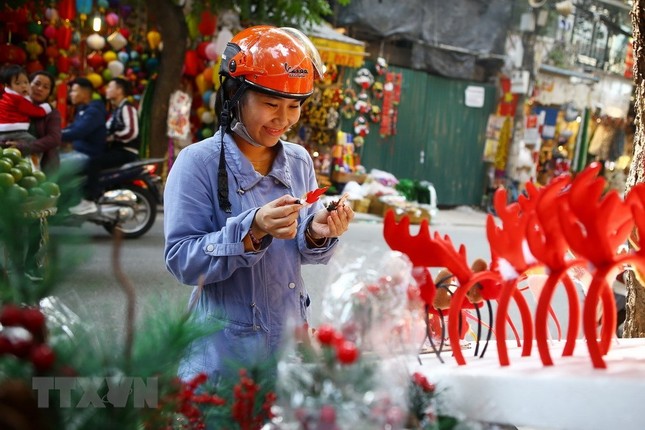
201,50
96,61
62,64
191,64
12,54
207,23
52,51
66,9
33,66
64,36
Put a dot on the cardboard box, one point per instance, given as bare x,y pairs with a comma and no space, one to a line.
361,205
415,213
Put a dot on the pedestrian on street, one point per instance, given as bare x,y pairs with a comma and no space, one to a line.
235,221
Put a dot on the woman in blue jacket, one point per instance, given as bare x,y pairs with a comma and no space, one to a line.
233,218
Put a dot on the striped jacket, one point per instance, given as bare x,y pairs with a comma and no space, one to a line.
123,127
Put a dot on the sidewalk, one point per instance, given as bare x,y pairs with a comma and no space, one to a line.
460,215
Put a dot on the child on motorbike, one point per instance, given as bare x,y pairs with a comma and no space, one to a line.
16,107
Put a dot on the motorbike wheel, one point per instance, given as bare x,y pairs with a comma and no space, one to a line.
144,217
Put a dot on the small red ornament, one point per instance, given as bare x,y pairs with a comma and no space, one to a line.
347,352
11,315
33,320
42,357
325,334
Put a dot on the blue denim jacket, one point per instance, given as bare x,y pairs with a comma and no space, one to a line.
253,293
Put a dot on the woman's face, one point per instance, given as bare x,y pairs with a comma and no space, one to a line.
266,117
41,88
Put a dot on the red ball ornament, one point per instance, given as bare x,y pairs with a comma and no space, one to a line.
34,66
33,320
11,315
325,334
347,352
42,357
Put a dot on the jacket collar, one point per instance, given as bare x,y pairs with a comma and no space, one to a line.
243,170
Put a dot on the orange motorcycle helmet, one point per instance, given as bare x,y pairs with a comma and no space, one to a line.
280,61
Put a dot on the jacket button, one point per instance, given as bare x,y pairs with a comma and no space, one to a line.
210,248
292,285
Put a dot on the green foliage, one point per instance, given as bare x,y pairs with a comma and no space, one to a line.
276,12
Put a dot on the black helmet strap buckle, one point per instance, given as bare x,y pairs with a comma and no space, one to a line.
222,174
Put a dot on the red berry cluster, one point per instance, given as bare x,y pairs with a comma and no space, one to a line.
244,393
187,402
421,381
346,350
31,348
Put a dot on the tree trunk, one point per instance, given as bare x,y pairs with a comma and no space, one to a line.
174,34
635,315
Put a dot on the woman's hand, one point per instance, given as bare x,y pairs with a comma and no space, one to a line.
331,224
278,218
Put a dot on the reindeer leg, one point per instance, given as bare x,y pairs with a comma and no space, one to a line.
490,327
574,316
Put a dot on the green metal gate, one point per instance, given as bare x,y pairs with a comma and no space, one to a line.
438,137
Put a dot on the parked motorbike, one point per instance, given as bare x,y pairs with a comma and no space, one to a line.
129,200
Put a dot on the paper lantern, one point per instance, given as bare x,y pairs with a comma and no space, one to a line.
63,63
84,7
64,36
201,50
208,75
207,117
207,23
201,84
223,37
33,66
95,60
76,37
211,52
192,24
117,41
153,37
52,52
109,56
206,96
125,32
51,14
103,4
123,57
50,32
191,63
152,64
107,75
95,79
66,9
116,67
35,28
95,41
112,19
33,48
12,54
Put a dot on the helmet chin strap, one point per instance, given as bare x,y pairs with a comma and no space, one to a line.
238,128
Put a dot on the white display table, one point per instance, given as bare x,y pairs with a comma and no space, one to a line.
570,395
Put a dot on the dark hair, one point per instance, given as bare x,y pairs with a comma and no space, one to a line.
124,84
48,76
83,83
225,92
11,71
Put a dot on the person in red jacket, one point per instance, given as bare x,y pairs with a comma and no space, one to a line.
16,107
